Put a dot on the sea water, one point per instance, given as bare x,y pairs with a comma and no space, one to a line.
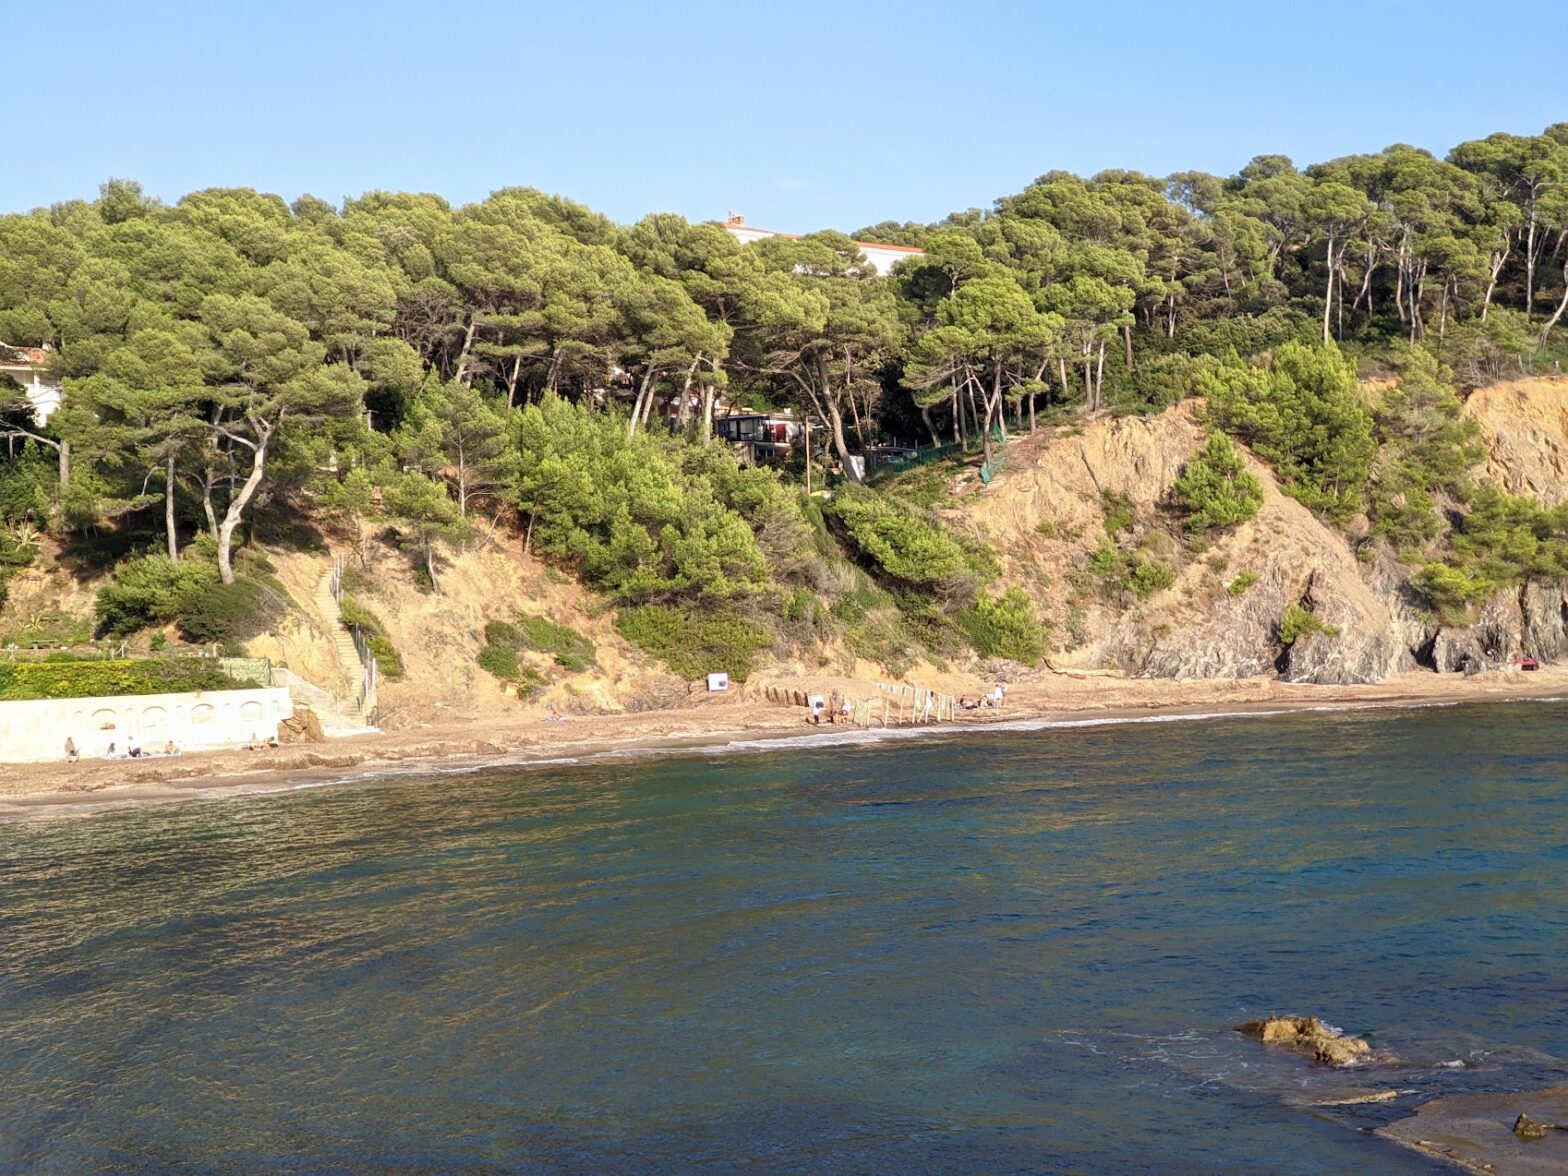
1016,951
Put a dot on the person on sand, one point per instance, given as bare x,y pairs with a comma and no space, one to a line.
70,750
272,743
170,749
112,754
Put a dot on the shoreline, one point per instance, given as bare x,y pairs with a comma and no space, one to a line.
736,725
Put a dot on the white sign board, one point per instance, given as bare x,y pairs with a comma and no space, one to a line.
717,683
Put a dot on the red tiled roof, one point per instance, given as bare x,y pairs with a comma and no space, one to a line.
36,356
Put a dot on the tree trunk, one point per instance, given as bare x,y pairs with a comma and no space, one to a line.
925,415
1498,259
208,484
1558,313
836,421
237,505
511,380
430,567
463,377
1328,292
683,410
1099,376
990,407
1529,267
709,398
1127,343
637,407
168,510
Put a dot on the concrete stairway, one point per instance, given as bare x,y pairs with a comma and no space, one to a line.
337,715
348,657
335,705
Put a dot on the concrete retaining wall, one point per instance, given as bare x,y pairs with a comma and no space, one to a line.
36,731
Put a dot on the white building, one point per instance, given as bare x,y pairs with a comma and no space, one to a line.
881,257
26,365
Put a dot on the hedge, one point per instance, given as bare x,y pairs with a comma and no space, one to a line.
102,679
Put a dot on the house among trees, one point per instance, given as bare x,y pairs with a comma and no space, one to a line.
759,437
882,257
27,366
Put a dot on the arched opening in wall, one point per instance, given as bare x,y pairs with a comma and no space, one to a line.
252,712
203,714
155,722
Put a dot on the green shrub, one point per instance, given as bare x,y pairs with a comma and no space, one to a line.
644,516
570,649
1119,512
529,682
18,549
95,679
1451,591
693,641
1305,415
1005,627
228,613
503,633
151,591
1120,571
1298,623
1148,577
1241,583
1215,487
899,539
501,661
388,660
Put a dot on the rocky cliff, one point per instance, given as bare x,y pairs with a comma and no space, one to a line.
1069,492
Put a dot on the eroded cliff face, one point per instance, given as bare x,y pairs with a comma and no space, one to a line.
1525,423
1220,618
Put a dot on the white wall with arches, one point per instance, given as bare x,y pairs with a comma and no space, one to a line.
35,731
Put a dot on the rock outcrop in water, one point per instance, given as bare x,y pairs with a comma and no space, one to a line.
1310,1036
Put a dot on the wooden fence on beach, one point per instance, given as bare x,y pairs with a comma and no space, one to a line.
893,705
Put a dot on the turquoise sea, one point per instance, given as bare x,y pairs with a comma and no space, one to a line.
1006,951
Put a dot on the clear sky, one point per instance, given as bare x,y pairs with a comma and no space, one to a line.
799,115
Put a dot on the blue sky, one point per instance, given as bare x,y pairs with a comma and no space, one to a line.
800,115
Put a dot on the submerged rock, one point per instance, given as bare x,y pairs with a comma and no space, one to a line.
1473,1131
1308,1035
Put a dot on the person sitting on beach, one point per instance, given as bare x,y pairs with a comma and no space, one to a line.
112,754
70,750
170,749
272,743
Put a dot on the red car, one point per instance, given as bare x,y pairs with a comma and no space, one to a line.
1527,663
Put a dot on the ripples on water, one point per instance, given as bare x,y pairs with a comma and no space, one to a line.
990,953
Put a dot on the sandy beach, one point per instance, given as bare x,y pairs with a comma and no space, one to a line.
59,789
